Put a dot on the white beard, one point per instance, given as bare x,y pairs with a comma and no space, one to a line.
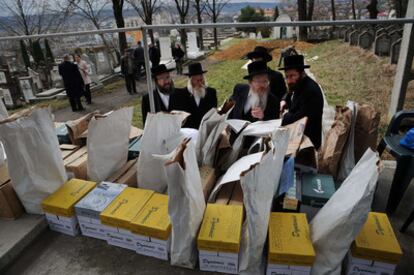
200,92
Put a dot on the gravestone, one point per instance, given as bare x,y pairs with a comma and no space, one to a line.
283,32
380,31
166,52
395,35
173,33
259,35
347,32
57,81
38,85
103,66
382,45
341,32
8,100
193,52
365,40
353,38
395,51
10,87
26,88
252,35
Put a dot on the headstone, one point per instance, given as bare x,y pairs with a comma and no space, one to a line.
57,81
379,32
3,79
8,100
353,38
283,32
259,35
347,32
36,80
10,87
26,88
395,51
252,35
166,52
365,40
193,51
383,45
395,35
174,33
103,66
341,32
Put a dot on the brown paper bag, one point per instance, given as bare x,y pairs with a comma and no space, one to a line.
366,130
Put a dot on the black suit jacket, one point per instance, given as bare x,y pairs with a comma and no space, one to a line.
277,84
307,100
159,105
72,79
184,101
240,94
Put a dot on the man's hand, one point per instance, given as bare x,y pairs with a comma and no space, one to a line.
283,106
257,112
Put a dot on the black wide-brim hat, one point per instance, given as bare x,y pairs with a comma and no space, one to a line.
260,52
159,70
195,69
294,62
256,68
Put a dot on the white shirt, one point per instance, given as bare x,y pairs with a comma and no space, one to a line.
165,99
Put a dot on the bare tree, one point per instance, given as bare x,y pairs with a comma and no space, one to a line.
353,9
311,5
333,10
118,9
200,6
214,8
303,33
183,8
146,10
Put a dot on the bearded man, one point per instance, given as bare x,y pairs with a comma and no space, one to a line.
253,101
197,98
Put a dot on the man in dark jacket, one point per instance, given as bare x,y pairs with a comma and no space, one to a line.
139,59
73,83
253,101
196,99
163,92
277,82
178,55
304,99
128,70
154,55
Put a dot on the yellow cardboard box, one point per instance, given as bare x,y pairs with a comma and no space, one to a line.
377,240
125,207
289,240
62,202
221,228
153,220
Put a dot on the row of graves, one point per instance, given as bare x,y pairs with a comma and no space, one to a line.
381,40
231,197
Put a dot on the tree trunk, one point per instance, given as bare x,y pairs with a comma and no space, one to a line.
310,9
151,34
120,23
183,35
353,9
333,10
199,21
303,33
372,9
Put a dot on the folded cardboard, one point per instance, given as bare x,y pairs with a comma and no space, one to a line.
62,133
4,173
317,189
10,206
76,163
68,149
208,180
376,241
290,246
219,238
90,207
296,132
126,175
134,148
62,201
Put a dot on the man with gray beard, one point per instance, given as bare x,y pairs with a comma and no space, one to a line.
197,98
253,101
163,92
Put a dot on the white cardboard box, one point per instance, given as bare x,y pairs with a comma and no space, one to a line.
152,247
62,224
277,269
219,262
358,266
120,237
92,228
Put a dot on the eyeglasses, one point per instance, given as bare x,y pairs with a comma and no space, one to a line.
261,82
164,78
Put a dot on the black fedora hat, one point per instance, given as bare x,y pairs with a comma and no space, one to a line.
255,68
195,69
159,70
260,52
294,62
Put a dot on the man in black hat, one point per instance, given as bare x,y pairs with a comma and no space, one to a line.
253,101
73,82
197,98
277,81
163,92
304,98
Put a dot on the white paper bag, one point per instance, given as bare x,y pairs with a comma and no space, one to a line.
337,224
33,156
185,204
108,140
161,136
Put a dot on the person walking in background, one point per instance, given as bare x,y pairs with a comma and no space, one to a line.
128,70
178,55
84,71
139,59
154,55
73,82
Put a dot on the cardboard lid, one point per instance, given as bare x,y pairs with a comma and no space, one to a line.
153,219
125,207
62,202
289,239
377,240
221,228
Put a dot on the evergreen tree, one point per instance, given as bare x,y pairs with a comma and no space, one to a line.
49,53
38,56
275,13
25,55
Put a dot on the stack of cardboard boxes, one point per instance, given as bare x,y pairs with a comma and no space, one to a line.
59,207
10,206
76,163
126,175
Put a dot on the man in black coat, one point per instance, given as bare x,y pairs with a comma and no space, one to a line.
253,101
304,99
154,55
196,99
139,59
277,81
178,55
129,70
73,82
163,92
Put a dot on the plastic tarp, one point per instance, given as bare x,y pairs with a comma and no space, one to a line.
340,220
33,155
107,142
